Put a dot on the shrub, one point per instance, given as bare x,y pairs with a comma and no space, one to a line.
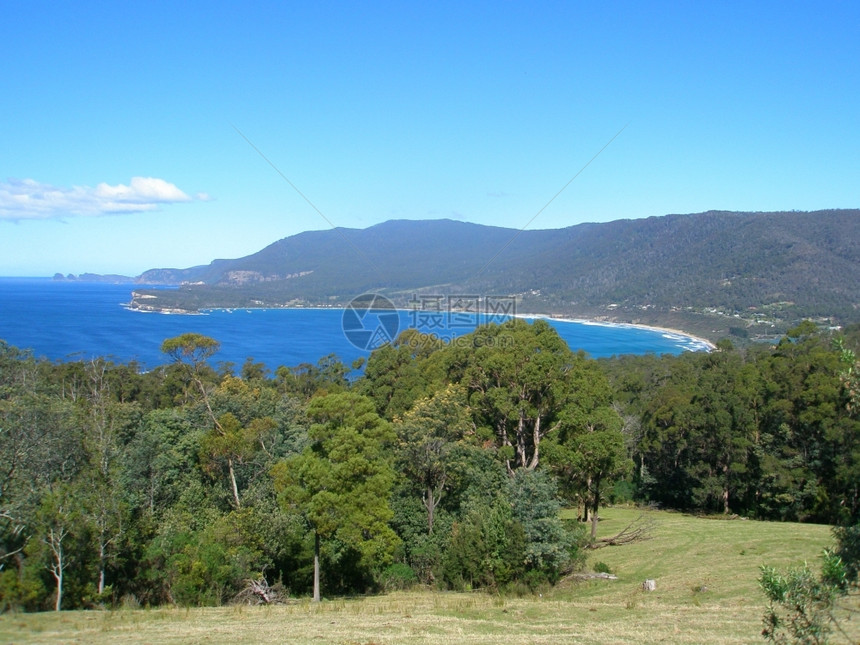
487,549
397,577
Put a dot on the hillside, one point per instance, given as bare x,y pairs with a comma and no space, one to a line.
735,269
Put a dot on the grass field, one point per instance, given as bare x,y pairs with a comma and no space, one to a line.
707,592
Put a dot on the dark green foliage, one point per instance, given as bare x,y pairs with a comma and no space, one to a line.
206,564
340,484
487,549
764,432
399,374
397,576
442,465
535,506
848,550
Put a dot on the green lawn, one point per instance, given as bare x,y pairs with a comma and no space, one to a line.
707,592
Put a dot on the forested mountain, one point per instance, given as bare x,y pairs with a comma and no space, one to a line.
760,266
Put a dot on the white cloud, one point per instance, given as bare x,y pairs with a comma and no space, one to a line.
29,199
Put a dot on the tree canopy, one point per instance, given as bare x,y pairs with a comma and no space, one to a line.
443,464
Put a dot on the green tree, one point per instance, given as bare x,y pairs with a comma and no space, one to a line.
226,443
105,418
192,351
400,373
809,438
536,506
160,461
588,451
487,547
699,432
329,375
56,522
342,482
518,377
590,459
425,440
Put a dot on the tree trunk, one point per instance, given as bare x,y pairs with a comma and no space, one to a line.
57,569
502,430
430,505
521,440
233,484
586,501
536,442
595,504
59,577
58,566
431,498
316,567
102,559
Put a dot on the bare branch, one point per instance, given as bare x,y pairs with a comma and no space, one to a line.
638,530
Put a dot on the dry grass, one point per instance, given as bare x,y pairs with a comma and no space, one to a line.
707,592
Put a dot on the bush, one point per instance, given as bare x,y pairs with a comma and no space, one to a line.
848,550
20,591
535,505
802,605
397,577
487,549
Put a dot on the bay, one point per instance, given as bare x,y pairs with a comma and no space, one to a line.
79,321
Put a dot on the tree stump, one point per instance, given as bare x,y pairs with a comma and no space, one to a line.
649,585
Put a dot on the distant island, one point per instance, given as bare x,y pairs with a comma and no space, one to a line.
110,278
715,274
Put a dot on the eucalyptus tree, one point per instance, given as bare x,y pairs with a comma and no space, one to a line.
588,452
519,380
55,521
42,449
700,430
105,418
426,438
400,373
192,351
811,431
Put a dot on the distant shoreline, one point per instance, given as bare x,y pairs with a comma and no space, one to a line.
605,323
699,341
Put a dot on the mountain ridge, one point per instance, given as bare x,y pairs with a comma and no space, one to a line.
774,266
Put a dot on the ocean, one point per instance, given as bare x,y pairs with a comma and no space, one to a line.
78,320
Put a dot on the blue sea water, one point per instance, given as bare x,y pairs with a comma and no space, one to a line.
77,320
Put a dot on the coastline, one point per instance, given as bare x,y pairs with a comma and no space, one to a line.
698,343
703,342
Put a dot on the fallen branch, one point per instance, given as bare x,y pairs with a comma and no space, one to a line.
259,592
638,530
594,576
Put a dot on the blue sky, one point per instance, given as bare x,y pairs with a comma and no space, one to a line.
125,127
